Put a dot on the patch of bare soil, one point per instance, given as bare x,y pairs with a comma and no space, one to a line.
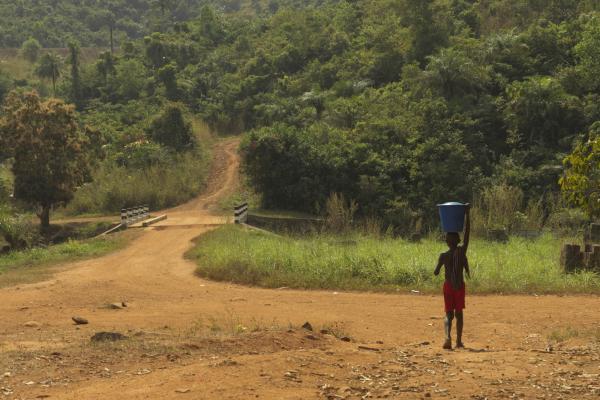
183,337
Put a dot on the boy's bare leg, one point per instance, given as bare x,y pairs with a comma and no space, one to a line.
459,329
448,329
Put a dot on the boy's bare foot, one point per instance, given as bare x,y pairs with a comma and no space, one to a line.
460,345
448,344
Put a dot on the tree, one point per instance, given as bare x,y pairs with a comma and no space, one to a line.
538,110
168,76
30,50
427,35
5,84
171,129
49,68
74,60
130,78
49,150
581,181
588,53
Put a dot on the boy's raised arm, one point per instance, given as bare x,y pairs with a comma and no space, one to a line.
467,227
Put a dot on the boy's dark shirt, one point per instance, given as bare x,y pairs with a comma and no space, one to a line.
454,263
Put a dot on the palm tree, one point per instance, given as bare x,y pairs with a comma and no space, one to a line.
49,68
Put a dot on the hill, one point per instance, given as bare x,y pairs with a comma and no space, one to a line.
396,104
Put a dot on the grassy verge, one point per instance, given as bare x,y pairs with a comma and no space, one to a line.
37,263
366,263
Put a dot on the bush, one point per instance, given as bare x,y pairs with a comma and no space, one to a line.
568,221
500,207
340,213
143,154
172,129
18,230
30,50
130,78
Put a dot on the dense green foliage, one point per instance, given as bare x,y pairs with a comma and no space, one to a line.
54,22
233,254
581,182
396,104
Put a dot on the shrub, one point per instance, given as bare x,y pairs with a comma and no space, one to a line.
498,207
567,221
172,129
17,230
130,79
340,213
30,50
143,154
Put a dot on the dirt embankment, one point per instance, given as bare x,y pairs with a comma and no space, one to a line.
189,338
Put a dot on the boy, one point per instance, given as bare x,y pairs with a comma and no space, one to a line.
454,261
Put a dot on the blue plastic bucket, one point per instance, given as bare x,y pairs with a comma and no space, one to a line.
452,216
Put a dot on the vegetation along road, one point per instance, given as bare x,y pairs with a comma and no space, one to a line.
191,338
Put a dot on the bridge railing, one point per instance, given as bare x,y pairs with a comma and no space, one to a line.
132,215
240,213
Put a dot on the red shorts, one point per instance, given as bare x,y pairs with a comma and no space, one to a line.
454,300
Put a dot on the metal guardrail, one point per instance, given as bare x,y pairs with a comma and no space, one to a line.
132,215
240,213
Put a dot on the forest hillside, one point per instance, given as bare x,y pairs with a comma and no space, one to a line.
394,104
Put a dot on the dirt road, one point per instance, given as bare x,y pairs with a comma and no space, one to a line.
194,339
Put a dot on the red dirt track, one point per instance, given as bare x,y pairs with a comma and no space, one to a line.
195,339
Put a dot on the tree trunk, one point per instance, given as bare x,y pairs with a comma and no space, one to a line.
54,82
45,217
112,46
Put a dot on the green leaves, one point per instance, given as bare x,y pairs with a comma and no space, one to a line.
581,181
48,147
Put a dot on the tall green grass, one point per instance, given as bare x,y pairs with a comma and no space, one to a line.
158,186
368,263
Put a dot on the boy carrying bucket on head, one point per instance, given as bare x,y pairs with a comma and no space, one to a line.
454,262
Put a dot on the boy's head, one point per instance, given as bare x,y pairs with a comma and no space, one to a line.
452,239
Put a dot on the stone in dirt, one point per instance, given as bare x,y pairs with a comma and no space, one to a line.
345,339
107,337
182,390
115,306
307,326
32,324
80,320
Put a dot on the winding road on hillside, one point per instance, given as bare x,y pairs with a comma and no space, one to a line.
195,339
